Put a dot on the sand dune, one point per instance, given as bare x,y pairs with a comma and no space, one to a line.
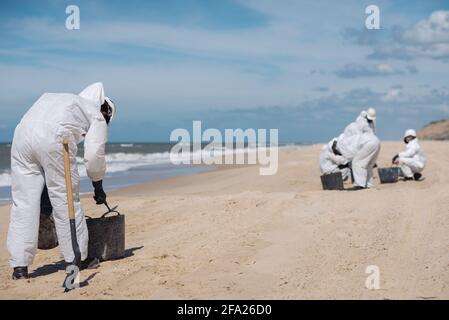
436,130
234,234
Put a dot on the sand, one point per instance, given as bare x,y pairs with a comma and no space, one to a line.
234,234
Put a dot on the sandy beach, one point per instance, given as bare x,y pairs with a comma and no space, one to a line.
233,234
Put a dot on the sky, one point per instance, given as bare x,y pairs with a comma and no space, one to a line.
306,68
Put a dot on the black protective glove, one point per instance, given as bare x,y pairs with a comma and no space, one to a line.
394,159
335,150
343,166
100,195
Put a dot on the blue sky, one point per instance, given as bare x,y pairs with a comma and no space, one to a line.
304,67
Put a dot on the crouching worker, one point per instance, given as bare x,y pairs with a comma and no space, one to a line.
413,160
37,160
331,161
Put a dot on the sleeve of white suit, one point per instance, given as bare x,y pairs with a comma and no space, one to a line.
338,160
94,149
410,152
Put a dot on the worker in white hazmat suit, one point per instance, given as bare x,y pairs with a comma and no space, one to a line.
413,160
37,160
368,149
331,162
348,140
362,150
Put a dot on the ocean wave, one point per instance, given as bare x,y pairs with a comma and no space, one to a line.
121,161
5,179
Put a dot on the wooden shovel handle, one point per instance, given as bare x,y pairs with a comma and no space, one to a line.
68,179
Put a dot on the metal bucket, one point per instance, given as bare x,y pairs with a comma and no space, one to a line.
332,181
106,236
389,175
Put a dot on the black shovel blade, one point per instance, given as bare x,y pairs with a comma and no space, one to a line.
71,280
73,269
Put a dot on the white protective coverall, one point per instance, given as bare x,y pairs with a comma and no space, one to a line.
413,159
363,150
37,159
329,161
348,145
368,149
348,141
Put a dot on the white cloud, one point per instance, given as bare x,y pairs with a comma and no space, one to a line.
392,95
428,38
368,70
260,42
434,30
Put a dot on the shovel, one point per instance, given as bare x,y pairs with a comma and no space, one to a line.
76,264
114,209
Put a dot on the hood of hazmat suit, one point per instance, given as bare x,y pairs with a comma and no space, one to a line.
94,93
410,133
359,126
37,160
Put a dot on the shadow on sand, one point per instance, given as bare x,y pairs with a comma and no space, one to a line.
130,252
61,265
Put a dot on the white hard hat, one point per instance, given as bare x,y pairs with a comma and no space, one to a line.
410,133
113,110
371,114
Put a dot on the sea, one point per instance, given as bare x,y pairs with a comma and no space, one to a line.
127,164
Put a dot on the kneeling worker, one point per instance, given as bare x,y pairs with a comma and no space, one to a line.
331,160
37,160
413,160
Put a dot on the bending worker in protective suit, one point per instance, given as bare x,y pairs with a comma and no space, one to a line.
331,161
413,160
359,145
37,160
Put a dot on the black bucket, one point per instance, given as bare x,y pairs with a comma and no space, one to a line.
389,175
107,236
47,230
332,181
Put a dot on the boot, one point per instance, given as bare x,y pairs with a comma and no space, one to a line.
92,263
20,273
356,188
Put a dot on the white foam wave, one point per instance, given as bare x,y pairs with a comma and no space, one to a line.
121,161
5,179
